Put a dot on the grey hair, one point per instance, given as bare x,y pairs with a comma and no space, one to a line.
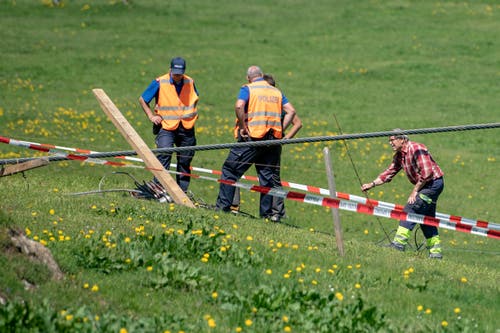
253,72
398,134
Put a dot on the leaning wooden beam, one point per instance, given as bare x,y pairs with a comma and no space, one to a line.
15,168
150,160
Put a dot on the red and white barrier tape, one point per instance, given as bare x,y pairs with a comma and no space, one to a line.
45,146
363,200
57,152
345,196
358,207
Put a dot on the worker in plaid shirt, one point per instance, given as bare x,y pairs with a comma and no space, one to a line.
426,176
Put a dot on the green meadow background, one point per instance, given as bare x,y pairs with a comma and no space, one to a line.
348,67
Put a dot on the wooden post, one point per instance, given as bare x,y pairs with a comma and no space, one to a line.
150,160
15,168
335,212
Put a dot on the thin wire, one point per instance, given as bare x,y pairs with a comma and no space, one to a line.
357,174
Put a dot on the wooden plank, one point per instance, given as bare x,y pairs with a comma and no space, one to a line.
150,160
335,212
15,168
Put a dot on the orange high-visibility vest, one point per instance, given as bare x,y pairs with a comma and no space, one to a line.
264,110
175,108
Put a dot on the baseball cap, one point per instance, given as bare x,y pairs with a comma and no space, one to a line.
178,65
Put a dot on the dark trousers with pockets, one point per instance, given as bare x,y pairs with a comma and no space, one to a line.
180,137
239,160
432,189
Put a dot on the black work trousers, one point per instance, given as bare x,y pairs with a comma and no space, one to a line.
239,160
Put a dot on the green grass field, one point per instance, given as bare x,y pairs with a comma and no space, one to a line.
141,266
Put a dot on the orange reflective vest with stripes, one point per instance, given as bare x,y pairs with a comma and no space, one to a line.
174,108
264,110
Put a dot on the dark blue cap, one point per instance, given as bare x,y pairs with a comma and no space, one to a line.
178,66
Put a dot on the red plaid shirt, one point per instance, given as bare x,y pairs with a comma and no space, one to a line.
417,163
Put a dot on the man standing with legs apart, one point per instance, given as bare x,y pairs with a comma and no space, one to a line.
426,176
278,210
174,116
258,109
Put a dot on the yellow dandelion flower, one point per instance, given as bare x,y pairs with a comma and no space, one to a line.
357,286
287,329
95,288
238,329
285,319
149,268
420,308
463,280
123,330
248,322
215,295
52,211
269,271
86,286
249,238
211,323
69,317
366,232
428,311
457,310
444,323
339,296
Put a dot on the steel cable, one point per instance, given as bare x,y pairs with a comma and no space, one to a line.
271,142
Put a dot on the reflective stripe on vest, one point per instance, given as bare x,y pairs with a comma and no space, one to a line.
174,108
264,110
